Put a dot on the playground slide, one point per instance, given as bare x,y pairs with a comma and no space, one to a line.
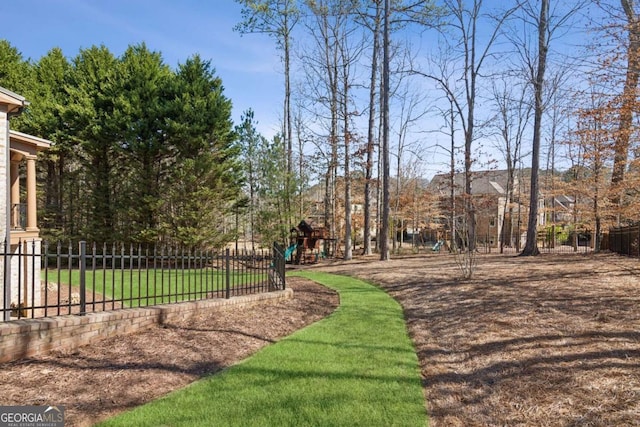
289,251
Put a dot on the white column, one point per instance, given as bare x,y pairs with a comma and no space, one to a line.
4,213
15,194
32,221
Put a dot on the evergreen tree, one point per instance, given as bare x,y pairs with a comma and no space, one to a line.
205,160
14,70
250,142
47,92
90,116
272,224
142,105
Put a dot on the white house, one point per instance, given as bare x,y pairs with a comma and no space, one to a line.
18,219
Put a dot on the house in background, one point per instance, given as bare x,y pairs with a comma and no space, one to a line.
489,195
560,209
18,220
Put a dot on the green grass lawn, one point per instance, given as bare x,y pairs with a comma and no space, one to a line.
153,286
356,367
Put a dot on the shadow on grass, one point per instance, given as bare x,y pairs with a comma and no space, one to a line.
355,367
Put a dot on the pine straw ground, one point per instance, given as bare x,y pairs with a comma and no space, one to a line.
552,340
119,373
547,341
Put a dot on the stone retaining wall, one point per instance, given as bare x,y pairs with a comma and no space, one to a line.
30,337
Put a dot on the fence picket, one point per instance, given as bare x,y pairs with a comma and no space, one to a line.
83,277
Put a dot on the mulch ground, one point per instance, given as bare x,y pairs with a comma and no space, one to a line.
552,340
119,373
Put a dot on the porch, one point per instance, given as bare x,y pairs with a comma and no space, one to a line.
23,155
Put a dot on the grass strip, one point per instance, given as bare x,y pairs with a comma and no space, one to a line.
135,287
357,367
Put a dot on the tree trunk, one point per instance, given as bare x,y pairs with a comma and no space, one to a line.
348,254
468,201
384,232
370,134
622,137
531,246
288,135
452,172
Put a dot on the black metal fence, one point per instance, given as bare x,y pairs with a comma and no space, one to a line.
77,279
625,240
543,246
491,244
557,249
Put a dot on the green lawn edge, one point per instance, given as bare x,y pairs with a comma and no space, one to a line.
356,367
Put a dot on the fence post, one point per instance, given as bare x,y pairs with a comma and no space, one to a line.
277,268
228,273
6,283
83,282
19,282
33,276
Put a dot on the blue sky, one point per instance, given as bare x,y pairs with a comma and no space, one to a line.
249,65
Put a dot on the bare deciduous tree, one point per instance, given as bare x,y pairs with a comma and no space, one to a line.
546,23
513,115
470,51
276,18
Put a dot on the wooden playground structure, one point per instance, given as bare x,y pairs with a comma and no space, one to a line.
309,243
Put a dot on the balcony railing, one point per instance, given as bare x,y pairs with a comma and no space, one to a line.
19,216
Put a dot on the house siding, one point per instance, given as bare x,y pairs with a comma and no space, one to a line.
4,150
